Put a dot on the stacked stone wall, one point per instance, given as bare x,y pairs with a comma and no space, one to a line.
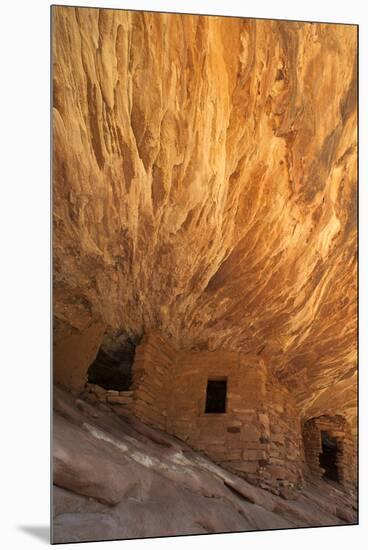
259,434
120,400
233,438
285,464
337,427
153,372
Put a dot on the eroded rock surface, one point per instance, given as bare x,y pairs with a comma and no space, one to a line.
116,477
205,186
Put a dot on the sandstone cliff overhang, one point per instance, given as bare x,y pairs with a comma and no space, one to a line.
204,184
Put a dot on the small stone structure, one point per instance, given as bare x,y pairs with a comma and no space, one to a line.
257,432
113,397
340,463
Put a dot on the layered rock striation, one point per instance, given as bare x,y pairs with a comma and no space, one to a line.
204,185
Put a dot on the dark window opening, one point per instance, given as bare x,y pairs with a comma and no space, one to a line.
328,457
216,396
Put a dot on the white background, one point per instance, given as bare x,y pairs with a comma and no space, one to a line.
25,278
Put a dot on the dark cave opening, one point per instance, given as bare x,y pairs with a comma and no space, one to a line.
328,457
112,368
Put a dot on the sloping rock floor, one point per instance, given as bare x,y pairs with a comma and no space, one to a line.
117,478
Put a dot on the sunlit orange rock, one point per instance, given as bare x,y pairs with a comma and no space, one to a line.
204,185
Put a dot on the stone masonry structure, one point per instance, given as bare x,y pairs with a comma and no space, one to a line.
259,433
336,432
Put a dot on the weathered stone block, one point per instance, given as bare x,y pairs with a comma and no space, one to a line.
118,399
244,466
250,433
233,429
249,454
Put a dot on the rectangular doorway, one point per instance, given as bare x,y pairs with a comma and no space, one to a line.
216,395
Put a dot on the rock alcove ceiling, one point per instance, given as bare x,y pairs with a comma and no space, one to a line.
205,185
